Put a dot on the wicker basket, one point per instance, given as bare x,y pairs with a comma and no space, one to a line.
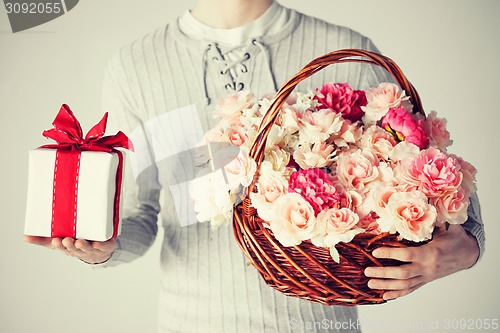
307,271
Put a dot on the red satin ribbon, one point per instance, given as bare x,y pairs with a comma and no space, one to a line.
68,134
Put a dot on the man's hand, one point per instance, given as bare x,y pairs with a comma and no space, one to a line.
449,252
90,252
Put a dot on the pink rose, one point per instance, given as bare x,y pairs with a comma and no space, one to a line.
357,169
435,130
341,98
240,171
386,96
349,199
378,140
293,220
369,223
237,135
452,207
231,106
380,194
401,123
228,130
270,186
316,187
335,226
433,172
409,214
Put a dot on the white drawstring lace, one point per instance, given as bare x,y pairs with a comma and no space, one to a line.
205,65
233,65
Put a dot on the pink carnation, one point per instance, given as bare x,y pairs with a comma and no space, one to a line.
341,98
469,174
316,187
435,129
434,172
401,123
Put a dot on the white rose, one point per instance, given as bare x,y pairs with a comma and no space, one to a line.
317,155
277,137
211,200
277,158
304,101
319,125
349,133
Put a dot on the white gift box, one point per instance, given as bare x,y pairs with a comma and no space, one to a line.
95,197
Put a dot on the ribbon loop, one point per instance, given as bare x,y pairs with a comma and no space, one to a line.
68,134
98,130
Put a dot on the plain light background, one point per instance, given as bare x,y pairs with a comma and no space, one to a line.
449,49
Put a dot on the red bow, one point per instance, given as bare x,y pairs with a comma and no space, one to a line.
68,133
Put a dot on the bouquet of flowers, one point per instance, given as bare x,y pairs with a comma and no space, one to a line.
337,162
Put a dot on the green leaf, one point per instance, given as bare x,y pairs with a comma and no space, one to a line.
335,254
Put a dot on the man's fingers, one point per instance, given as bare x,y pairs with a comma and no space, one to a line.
57,244
393,272
69,244
84,246
42,241
107,246
394,284
88,251
405,254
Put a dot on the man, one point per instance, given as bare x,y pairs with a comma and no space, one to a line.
165,85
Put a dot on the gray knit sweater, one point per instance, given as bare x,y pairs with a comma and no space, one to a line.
166,83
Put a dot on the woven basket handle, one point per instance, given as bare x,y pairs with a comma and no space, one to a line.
341,56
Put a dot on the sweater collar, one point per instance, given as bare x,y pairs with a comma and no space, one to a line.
270,22
290,24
